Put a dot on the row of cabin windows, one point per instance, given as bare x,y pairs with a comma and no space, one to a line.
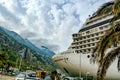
85,46
91,50
90,40
88,36
86,41
91,36
103,27
75,40
85,51
88,45
100,28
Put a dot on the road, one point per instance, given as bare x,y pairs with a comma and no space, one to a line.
4,77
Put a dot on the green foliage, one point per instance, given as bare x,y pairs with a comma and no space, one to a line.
78,78
17,55
53,74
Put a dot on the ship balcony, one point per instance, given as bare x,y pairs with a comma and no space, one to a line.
89,43
90,38
75,35
104,28
88,47
101,33
85,51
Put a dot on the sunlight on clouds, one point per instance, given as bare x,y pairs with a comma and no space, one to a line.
47,22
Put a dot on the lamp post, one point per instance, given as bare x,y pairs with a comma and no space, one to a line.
80,67
87,74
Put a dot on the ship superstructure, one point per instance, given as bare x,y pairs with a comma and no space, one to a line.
89,35
76,60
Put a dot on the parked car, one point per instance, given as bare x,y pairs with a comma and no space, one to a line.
69,78
30,78
33,74
21,76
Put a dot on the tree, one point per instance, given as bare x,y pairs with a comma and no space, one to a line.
6,57
3,58
9,64
112,7
112,37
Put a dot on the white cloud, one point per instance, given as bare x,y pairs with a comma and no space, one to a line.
47,22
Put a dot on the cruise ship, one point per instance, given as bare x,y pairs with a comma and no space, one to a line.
76,60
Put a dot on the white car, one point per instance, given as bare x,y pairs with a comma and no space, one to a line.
21,76
69,78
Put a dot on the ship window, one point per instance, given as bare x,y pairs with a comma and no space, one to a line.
84,41
97,38
84,50
92,55
88,36
106,27
88,45
88,40
77,51
101,32
73,48
92,35
83,33
101,28
80,51
80,38
92,39
87,32
93,44
77,43
88,56
88,49
97,34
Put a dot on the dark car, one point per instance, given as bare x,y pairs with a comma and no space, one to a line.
33,74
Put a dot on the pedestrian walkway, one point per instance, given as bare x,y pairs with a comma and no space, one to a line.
4,77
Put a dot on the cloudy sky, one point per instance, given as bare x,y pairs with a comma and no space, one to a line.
47,22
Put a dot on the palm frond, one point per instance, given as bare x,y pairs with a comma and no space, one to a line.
105,8
118,65
111,36
107,61
116,8
114,19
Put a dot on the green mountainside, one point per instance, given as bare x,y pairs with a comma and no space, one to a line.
17,55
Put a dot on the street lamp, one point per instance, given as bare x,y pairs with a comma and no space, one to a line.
80,67
87,74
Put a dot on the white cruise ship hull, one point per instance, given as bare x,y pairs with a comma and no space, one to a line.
75,64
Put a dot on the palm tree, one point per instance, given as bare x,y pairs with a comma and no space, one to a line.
111,37
112,7
105,9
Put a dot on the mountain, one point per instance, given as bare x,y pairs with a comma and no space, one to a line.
18,38
18,48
